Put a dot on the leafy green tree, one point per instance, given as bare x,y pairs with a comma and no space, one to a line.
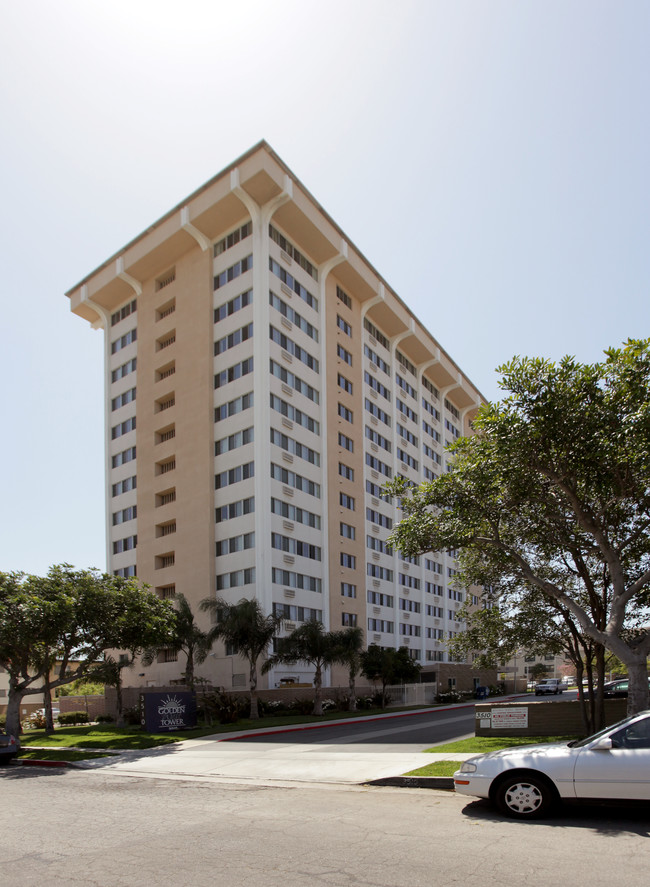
388,666
247,630
349,642
186,637
552,493
537,671
74,615
308,643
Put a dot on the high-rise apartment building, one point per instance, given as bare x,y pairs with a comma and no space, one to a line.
261,383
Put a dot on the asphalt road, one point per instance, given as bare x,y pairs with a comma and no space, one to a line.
412,731
86,829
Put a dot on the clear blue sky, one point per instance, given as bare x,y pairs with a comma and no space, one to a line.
491,159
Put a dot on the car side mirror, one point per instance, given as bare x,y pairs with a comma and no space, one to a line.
604,744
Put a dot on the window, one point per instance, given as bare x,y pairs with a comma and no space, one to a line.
380,600
345,413
343,325
346,442
378,545
129,367
374,332
233,272
409,606
294,513
123,428
235,543
236,579
123,486
376,385
293,317
408,581
344,355
348,590
381,625
235,509
344,383
293,284
234,475
407,435
378,439
293,446
243,368
452,409
378,518
294,414
407,459
292,348
126,514
345,471
231,239
233,339
378,413
433,588
293,381
378,361
349,619
378,572
226,410
122,399
346,501
347,531
406,410
233,441
429,407
295,546
378,465
125,311
290,250
297,614
343,297
295,580
236,304
122,458
409,630
406,363
348,560
431,388
404,385
297,481
126,544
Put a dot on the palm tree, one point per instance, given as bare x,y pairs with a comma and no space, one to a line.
312,644
247,630
349,642
186,638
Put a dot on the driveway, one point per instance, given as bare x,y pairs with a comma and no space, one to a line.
346,752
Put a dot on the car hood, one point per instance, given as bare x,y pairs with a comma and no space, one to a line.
545,750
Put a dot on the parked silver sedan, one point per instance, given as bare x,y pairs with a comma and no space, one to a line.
528,781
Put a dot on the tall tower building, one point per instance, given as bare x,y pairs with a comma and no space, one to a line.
262,381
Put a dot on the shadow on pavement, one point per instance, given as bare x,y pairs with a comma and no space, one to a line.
604,820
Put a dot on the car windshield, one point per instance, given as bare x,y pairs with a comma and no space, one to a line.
581,742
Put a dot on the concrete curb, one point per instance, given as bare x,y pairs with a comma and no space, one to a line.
446,783
32,762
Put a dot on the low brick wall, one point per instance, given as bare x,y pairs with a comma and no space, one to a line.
544,718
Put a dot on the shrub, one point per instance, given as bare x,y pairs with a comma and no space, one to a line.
105,719
449,696
73,718
37,720
132,716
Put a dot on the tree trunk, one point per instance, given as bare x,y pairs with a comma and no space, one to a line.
47,703
13,712
254,710
637,696
119,720
599,719
318,702
189,671
353,692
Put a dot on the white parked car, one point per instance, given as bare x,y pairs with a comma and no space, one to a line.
528,781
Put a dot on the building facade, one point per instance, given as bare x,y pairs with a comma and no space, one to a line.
262,382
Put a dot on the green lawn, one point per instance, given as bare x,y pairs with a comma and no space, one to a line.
477,745
60,754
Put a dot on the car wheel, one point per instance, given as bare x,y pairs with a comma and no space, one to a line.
524,797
